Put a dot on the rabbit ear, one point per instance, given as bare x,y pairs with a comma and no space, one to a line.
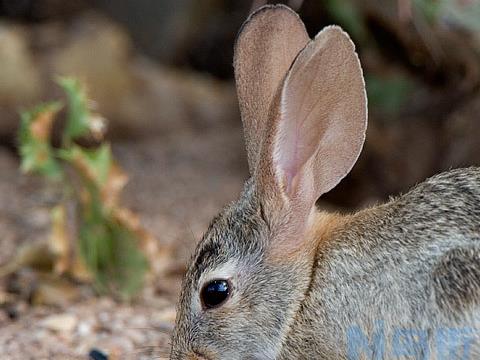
323,115
317,131
265,49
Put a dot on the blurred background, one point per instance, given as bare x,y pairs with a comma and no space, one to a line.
161,74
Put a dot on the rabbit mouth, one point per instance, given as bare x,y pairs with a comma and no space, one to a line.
196,355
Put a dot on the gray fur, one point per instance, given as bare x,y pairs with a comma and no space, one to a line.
390,282
239,232
411,263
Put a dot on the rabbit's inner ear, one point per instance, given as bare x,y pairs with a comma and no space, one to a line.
323,116
317,134
265,48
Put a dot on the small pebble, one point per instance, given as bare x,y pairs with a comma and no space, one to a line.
84,329
62,323
95,354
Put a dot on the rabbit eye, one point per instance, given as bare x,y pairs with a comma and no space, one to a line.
215,293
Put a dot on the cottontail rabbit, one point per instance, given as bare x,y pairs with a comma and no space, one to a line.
274,277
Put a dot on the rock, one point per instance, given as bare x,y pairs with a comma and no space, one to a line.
20,79
61,323
85,328
136,95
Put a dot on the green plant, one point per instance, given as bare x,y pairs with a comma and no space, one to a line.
106,245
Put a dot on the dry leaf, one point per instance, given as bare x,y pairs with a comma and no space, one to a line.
78,270
111,190
42,125
59,242
54,290
146,241
35,255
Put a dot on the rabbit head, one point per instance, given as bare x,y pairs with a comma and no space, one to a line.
303,106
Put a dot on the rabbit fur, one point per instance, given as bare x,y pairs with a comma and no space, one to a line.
307,284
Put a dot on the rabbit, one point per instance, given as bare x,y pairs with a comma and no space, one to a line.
274,277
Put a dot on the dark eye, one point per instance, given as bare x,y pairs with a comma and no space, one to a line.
215,293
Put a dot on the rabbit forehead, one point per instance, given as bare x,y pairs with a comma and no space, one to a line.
236,236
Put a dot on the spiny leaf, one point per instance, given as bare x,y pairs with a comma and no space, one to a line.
78,112
92,164
111,253
34,138
110,240
109,246
98,167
